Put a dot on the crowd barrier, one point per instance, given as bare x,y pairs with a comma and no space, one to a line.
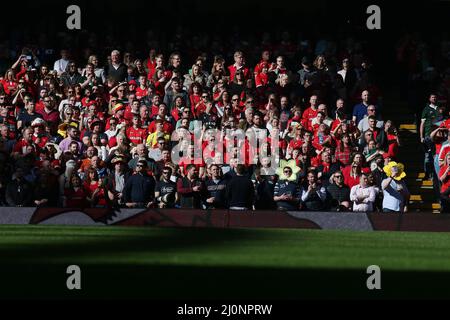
227,219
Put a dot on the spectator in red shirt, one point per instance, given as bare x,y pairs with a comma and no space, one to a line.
75,196
136,134
344,150
239,64
311,112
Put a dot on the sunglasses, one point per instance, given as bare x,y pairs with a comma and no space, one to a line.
234,99
139,166
166,172
205,97
251,101
287,171
338,176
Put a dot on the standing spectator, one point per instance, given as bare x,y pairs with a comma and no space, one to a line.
44,194
71,76
429,115
363,125
239,64
395,192
60,65
75,196
305,71
240,191
176,90
166,190
142,154
190,189
19,192
116,180
116,70
363,195
73,135
139,190
215,188
444,177
360,110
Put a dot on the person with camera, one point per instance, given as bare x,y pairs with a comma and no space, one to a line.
166,190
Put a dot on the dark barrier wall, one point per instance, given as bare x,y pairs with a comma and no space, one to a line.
228,219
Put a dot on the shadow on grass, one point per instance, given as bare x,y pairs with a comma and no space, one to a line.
31,271
188,282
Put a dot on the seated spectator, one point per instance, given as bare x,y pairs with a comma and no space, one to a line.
339,193
286,192
314,195
326,168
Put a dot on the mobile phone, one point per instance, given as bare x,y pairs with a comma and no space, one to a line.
28,57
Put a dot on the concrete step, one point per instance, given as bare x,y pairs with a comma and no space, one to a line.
424,206
425,184
428,196
408,126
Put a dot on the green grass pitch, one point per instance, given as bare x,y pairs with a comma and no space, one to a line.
179,263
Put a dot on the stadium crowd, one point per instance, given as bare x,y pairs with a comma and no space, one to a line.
88,130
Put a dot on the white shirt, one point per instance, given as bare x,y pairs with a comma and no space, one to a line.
367,204
363,125
343,73
321,192
392,198
60,65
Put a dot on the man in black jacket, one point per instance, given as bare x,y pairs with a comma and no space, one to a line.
240,191
139,190
116,70
71,76
19,192
339,193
